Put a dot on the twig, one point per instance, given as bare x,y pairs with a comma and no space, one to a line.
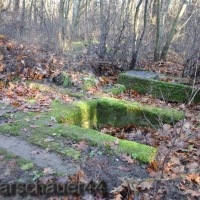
157,183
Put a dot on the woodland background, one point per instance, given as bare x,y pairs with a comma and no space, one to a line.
125,32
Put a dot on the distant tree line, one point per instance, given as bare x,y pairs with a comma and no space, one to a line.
126,31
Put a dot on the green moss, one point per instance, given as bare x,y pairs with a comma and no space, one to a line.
7,155
64,113
158,89
99,112
87,111
66,79
142,152
77,95
11,129
88,82
24,164
39,136
116,89
119,113
69,152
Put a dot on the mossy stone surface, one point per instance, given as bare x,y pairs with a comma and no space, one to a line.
158,89
142,152
102,111
120,113
83,115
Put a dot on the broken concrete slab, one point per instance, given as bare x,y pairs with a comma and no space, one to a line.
42,159
146,82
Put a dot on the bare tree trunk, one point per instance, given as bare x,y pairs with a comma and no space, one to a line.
158,32
135,36
35,14
104,24
4,8
163,16
63,19
1,5
30,14
22,25
173,30
41,14
16,9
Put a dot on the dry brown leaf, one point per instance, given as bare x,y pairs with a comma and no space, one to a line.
1,57
167,126
187,125
194,177
154,166
145,185
118,197
82,145
116,141
48,171
128,159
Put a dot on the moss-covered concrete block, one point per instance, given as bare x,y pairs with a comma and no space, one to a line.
102,111
143,153
120,113
149,83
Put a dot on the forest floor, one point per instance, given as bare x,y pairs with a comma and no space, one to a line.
175,173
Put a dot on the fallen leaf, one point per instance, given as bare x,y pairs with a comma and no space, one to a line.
187,125
154,166
166,126
194,177
128,159
1,157
34,152
82,145
118,197
48,170
53,119
145,185
116,141
27,119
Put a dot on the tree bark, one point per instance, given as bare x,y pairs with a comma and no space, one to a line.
173,30
158,33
